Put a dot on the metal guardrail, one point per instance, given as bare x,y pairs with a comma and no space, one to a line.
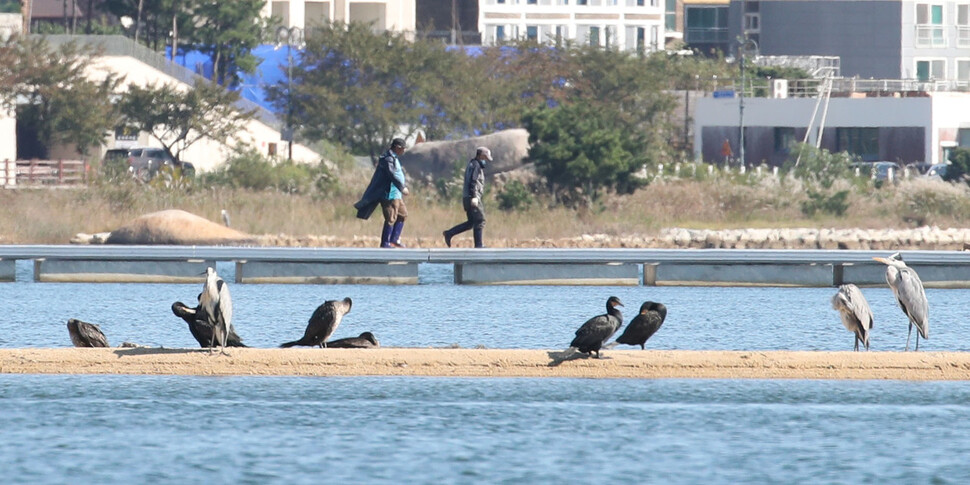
487,255
119,45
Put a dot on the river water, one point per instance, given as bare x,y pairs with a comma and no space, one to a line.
178,429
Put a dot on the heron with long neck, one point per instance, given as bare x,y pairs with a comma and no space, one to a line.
910,295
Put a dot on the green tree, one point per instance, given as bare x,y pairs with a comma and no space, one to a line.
959,166
352,86
581,150
54,99
819,169
228,32
178,118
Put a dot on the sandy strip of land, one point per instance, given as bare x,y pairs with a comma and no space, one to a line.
649,364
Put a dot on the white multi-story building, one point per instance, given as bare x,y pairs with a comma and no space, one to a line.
624,24
393,15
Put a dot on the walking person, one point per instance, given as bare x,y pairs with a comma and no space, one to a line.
471,198
387,187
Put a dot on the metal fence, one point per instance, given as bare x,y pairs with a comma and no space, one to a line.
33,173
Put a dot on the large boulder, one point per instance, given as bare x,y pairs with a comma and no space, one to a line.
438,158
176,227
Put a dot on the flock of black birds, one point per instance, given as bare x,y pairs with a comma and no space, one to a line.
595,334
211,321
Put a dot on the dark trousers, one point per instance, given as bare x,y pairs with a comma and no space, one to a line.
476,222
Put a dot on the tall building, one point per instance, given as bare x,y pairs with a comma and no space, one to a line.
883,39
394,15
453,21
624,24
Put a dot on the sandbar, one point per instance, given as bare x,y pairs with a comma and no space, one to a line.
448,362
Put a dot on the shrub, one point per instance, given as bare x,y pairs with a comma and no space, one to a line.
251,170
514,196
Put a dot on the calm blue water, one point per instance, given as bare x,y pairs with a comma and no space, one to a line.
177,429
437,313
156,429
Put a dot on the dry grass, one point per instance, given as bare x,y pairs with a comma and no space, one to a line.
55,216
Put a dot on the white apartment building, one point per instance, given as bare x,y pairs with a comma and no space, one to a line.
393,15
624,24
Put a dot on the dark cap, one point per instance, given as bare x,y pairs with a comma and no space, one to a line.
398,143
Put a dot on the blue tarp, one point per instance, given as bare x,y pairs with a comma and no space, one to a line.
271,70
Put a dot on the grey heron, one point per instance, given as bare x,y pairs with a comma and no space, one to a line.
644,325
323,322
597,330
366,340
215,308
855,312
84,334
201,331
909,293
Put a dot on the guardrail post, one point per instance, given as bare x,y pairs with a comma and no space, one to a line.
60,171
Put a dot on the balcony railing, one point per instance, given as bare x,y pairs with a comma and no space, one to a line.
930,36
706,36
963,36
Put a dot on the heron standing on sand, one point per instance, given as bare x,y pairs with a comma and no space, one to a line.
908,289
855,312
215,308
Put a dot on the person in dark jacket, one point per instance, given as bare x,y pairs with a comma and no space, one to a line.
387,188
471,198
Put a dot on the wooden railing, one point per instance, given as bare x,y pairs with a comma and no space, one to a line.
43,172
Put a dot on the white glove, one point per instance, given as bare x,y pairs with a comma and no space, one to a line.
474,201
406,191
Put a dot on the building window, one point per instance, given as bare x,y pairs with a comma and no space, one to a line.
931,69
706,25
499,33
963,70
861,142
670,15
582,2
963,25
963,137
532,2
641,38
560,34
929,25
640,3
594,36
784,139
532,32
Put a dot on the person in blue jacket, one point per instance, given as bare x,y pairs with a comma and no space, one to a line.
387,188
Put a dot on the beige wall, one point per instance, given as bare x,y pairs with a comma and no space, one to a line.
394,15
205,154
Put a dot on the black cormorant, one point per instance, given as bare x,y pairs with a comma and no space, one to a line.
597,330
366,340
323,322
84,334
201,331
644,325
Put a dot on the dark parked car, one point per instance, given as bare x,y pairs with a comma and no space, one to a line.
879,171
937,171
144,162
